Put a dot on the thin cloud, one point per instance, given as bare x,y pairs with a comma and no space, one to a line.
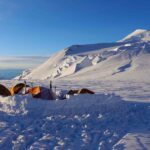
21,62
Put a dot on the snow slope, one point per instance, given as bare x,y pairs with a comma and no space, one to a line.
83,122
134,140
69,61
124,60
137,35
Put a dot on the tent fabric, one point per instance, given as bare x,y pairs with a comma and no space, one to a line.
81,91
42,93
4,91
72,92
18,88
35,90
85,91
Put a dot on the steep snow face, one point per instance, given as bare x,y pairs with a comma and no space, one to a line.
119,67
46,69
105,60
71,60
137,35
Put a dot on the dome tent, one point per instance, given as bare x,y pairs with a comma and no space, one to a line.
42,93
4,91
19,88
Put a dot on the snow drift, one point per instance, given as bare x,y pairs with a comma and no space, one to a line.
83,122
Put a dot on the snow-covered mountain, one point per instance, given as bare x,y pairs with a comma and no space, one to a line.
137,36
126,59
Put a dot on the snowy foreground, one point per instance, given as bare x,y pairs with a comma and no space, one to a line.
101,121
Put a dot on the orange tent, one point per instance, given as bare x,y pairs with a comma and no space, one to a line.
85,91
19,88
81,91
42,93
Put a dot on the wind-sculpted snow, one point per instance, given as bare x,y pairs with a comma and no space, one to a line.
85,49
83,122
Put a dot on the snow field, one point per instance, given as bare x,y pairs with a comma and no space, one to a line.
83,122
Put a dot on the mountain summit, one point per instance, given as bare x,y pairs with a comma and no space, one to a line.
137,35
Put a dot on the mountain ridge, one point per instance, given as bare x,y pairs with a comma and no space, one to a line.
73,60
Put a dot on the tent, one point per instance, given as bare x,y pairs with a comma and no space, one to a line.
85,91
4,91
72,92
19,89
42,93
81,91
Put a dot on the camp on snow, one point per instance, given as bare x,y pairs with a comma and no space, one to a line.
40,92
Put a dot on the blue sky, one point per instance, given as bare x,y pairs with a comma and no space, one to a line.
42,27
